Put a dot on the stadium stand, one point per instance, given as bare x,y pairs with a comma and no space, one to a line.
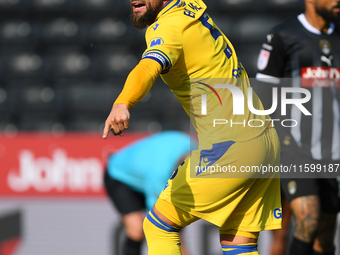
63,62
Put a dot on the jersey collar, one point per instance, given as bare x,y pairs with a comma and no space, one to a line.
310,28
171,4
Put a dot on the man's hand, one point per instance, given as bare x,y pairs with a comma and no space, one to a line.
117,121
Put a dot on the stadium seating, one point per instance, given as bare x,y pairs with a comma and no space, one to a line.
63,62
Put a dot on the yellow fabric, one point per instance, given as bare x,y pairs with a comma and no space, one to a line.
226,250
236,232
180,217
247,202
201,53
193,56
139,82
176,215
160,241
247,253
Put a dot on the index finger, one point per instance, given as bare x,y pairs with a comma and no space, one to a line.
106,131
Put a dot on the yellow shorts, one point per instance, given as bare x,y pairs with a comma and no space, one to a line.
248,203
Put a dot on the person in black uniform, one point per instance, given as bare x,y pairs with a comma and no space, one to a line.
307,49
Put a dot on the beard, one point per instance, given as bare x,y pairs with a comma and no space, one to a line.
149,17
328,15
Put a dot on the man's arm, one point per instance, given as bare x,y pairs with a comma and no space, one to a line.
137,85
270,66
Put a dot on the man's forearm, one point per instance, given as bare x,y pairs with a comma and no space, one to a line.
139,82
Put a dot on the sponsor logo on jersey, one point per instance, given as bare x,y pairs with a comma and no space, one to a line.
320,77
277,213
325,46
263,59
155,27
156,41
326,60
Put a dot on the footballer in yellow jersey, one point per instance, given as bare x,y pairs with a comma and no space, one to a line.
199,64
181,51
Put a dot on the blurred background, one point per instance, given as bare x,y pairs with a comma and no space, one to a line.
62,64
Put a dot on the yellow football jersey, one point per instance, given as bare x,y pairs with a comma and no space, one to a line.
195,60
201,67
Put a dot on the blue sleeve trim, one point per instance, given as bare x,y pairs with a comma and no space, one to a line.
160,57
163,55
156,59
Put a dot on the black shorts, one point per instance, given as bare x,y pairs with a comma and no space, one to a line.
325,189
292,186
123,197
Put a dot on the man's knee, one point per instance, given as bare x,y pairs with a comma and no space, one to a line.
160,236
133,223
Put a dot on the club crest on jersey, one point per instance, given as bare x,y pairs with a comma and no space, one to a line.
292,187
269,38
325,46
156,41
263,59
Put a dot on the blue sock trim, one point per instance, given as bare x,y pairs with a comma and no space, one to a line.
153,221
247,246
239,249
162,222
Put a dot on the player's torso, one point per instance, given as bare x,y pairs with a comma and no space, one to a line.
313,60
206,54
310,55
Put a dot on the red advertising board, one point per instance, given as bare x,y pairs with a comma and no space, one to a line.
43,165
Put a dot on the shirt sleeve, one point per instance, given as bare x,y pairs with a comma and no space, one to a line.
138,83
164,44
272,58
270,67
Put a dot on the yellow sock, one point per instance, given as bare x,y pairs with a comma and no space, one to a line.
161,237
242,249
